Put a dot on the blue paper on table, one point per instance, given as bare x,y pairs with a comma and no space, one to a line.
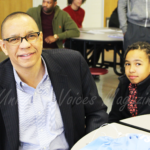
128,142
120,36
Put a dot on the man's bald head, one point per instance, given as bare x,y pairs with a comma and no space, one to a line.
13,16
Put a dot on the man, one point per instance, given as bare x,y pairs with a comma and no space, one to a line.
75,11
134,21
47,101
55,24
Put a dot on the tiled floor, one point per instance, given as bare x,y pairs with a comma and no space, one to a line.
106,85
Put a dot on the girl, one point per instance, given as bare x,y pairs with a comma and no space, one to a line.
132,96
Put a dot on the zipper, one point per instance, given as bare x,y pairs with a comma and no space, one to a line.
146,13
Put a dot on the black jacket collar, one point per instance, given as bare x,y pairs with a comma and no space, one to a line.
142,86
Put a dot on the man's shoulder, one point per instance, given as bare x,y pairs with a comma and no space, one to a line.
62,53
65,58
5,67
60,12
4,64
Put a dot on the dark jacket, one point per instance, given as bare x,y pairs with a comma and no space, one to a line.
62,23
119,109
81,107
114,21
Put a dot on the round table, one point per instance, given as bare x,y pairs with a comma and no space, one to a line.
140,122
114,130
105,38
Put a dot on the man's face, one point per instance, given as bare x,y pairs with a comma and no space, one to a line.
26,54
77,3
48,6
137,66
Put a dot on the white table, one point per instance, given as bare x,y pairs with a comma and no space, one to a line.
109,130
104,41
142,121
106,36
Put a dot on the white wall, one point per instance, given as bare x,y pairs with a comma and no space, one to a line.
94,11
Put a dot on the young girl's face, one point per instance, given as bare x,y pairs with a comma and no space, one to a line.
137,66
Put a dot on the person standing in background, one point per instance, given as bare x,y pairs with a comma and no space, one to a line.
134,18
75,11
55,24
77,14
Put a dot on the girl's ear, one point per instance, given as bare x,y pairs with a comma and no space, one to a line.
3,47
149,62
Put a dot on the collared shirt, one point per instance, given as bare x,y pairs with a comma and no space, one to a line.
40,122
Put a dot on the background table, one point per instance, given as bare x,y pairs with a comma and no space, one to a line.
108,131
102,41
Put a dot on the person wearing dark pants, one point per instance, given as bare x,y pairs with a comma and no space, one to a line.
136,33
134,21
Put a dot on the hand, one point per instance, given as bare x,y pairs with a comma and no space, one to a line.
50,39
124,33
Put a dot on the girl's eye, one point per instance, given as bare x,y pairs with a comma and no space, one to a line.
138,64
126,64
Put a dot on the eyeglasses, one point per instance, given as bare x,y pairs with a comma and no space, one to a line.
32,37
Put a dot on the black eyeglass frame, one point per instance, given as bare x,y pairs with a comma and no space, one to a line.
22,37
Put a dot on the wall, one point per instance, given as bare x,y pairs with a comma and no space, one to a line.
9,6
94,11
109,6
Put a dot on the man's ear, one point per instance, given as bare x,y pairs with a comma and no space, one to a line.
41,36
3,47
41,39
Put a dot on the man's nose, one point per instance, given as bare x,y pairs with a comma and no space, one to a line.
24,43
23,38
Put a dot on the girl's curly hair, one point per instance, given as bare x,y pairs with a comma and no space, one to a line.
139,46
